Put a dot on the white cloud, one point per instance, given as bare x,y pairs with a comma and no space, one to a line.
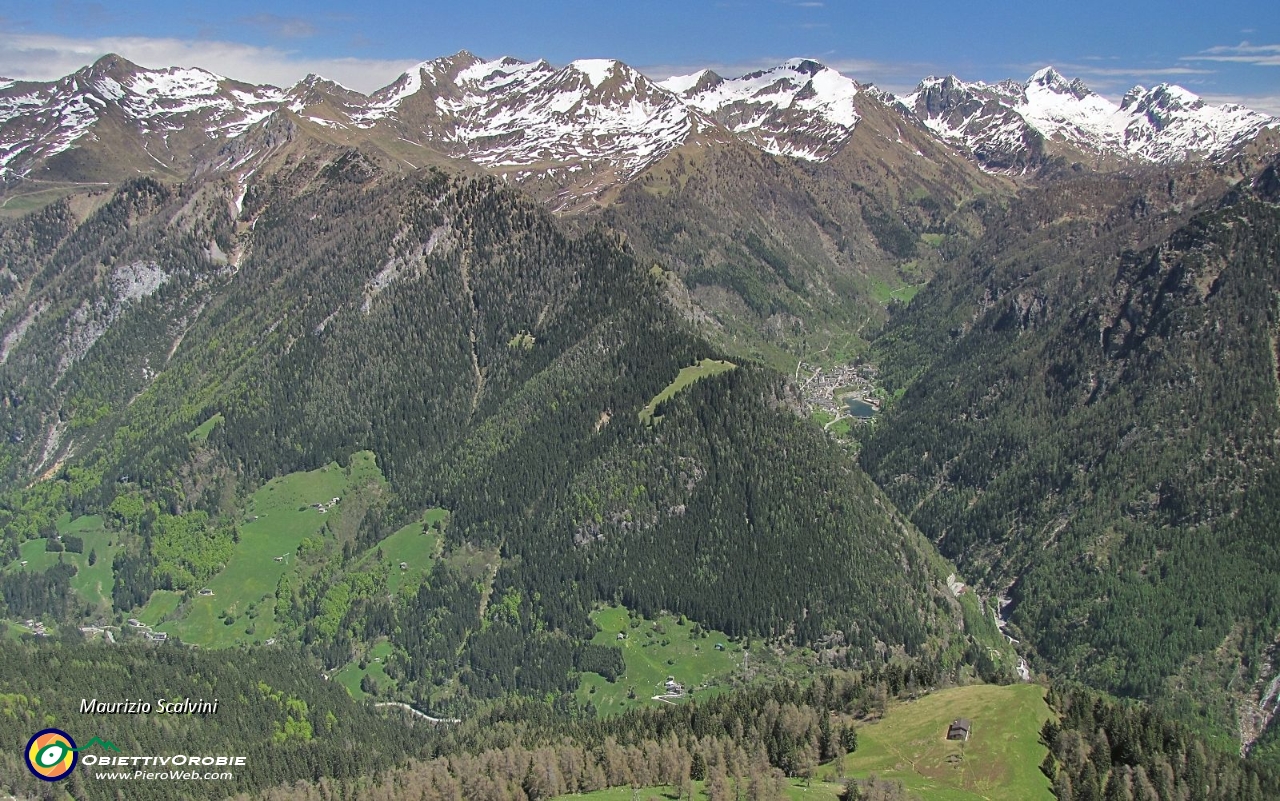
42,57
1131,72
1267,55
1268,104
288,27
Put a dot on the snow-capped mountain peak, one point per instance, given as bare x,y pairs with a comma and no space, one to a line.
597,70
172,112
1015,126
693,83
799,108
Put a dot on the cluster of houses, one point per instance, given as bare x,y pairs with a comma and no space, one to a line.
324,507
90,632
35,627
154,636
828,389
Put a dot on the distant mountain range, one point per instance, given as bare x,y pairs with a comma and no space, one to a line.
589,125
1013,125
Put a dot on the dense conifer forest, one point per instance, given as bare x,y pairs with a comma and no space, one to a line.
1098,437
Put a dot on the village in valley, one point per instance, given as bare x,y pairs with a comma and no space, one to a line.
829,391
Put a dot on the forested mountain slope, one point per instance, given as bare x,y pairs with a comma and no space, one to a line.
494,365
1096,432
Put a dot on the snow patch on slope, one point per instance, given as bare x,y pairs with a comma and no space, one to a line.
597,70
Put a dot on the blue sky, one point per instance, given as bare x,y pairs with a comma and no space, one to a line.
1226,50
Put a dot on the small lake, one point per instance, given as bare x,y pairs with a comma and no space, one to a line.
860,409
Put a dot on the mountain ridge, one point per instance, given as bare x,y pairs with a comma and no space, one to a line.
1011,125
591,124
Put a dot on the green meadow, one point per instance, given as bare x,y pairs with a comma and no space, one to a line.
277,518
686,376
161,605
417,545
884,292
201,432
654,650
1000,761
375,667
93,583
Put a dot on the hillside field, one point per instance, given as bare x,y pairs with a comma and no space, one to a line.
1000,761
277,518
654,650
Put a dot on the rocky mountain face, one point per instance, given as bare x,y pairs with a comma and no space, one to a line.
799,109
1015,127
113,119
494,362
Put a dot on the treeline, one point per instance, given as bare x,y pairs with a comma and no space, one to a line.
1106,750
740,745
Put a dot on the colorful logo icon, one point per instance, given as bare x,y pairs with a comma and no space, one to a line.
51,754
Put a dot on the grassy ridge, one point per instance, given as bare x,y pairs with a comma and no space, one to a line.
417,545
201,432
686,376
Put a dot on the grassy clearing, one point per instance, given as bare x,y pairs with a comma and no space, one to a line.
883,292
906,293
654,650
160,606
278,517
687,375
416,545
1001,760
376,660
19,203
201,432
93,583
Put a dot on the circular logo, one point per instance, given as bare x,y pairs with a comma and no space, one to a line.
51,754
